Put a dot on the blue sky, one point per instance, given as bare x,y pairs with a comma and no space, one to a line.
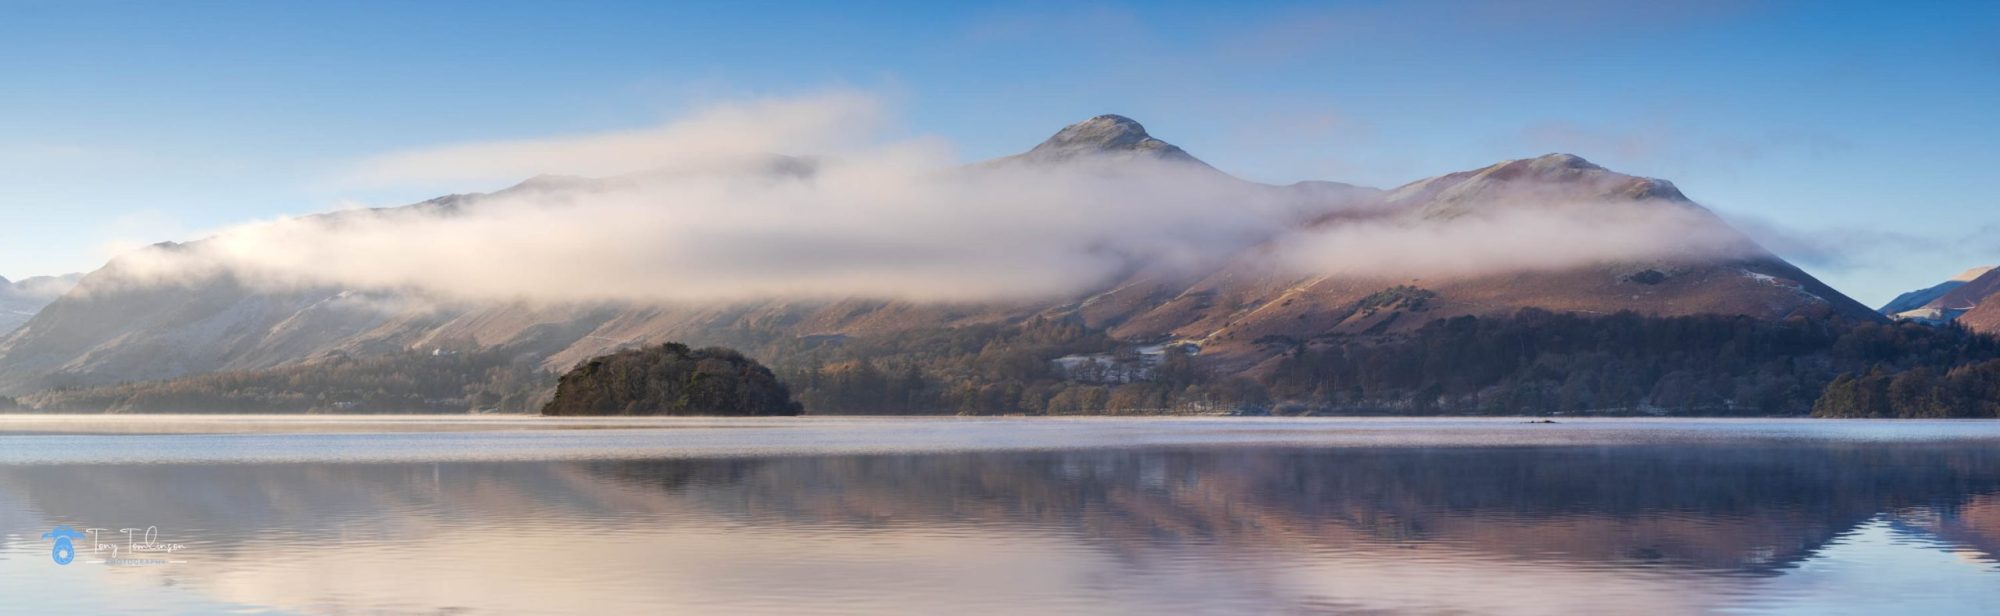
1860,137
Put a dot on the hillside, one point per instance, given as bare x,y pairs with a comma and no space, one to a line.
1970,294
1983,317
402,382
1914,300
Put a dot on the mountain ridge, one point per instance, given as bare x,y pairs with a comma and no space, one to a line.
1241,312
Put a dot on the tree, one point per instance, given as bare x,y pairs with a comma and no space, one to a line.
671,379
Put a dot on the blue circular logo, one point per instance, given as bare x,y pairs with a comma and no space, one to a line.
63,552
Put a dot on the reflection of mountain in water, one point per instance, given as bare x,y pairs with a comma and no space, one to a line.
1736,508
1748,509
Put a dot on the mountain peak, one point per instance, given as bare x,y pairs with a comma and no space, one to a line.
1108,130
1561,160
1560,169
1545,178
1972,274
1108,134
1556,167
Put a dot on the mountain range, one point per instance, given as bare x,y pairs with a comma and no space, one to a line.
1240,312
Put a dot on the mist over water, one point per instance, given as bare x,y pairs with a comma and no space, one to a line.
1403,516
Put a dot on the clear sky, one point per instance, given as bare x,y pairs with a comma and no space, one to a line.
1859,139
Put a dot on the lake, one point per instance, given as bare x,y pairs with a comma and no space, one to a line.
520,515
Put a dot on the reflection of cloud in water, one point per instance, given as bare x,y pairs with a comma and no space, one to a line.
1523,530
686,569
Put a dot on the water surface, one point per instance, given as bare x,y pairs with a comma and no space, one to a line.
522,515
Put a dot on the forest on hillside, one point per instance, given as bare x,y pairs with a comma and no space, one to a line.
1531,363
407,382
1539,362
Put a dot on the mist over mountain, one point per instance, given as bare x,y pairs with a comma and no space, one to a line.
1102,226
20,300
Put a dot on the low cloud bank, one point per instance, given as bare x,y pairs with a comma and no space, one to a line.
1512,237
39,288
700,210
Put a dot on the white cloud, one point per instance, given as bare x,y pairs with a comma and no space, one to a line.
1510,237
719,134
709,218
899,221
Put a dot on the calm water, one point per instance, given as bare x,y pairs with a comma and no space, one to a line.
517,515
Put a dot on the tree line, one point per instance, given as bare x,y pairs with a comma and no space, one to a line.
1001,369
1539,362
1531,362
1965,391
402,382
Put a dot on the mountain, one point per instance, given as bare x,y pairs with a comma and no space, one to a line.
19,301
116,326
1919,298
1106,136
1246,311
1970,294
1945,301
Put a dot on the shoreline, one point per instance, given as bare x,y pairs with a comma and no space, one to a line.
264,439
